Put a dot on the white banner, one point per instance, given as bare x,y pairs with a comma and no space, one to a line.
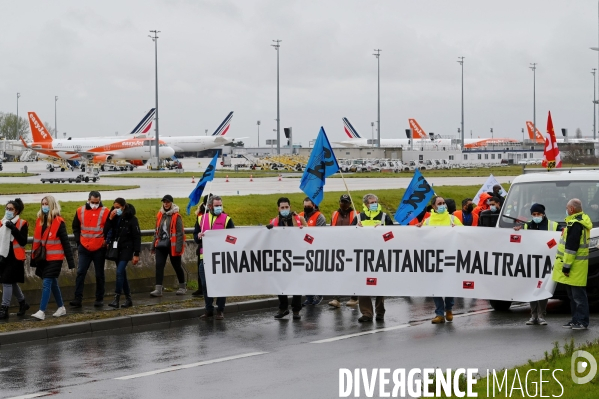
488,187
468,262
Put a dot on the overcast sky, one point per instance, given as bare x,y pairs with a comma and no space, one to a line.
215,56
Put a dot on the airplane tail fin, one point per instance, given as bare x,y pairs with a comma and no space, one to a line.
223,128
350,130
38,131
417,131
536,136
145,124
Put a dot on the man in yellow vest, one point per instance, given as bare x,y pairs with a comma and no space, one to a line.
314,218
571,265
371,216
538,309
440,217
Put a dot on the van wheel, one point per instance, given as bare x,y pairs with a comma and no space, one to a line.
501,306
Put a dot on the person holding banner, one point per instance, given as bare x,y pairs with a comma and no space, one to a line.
314,218
196,231
343,217
287,218
440,217
538,309
372,216
466,216
213,219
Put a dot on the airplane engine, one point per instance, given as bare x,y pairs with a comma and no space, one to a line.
137,162
102,158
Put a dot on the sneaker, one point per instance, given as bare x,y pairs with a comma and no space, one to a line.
438,320
352,302
380,317
296,315
335,303
365,319
282,313
578,326
99,303
317,299
182,289
449,315
61,311
542,321
40,315
568,324
532,321
75,303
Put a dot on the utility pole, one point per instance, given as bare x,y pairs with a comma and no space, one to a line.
155,40
17,132
378,118
55,123
534,96
594,104
277,46
461,62
258,123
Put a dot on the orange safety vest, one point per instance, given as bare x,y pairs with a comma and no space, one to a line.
92,227
415,221
336,216
275,221
312,221
459,215
172,233
50,239
18,249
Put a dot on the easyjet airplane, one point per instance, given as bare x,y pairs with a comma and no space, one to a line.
95,149
540,139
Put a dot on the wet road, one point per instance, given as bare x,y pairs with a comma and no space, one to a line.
255,356
181,187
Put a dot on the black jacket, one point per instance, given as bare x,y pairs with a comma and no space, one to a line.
197,230
125,228
76,225
52,269
488,218
11,269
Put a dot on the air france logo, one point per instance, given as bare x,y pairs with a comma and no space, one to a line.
38,127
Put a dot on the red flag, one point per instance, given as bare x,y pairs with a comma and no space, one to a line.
551,156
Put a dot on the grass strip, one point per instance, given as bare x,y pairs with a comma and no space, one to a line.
40,188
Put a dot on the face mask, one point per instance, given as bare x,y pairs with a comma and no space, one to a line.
119,212
469,208
567,214
45,208
493,208
308,209
9,214
344,206
373,207
94,206
537,219
441,208
217,210
284,213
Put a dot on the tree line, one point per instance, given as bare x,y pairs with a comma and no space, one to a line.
8,127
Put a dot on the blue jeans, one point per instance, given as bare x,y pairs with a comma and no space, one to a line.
220,302
121,278
85,259
579,304
442,306
50,284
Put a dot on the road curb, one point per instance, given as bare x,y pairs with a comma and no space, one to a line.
95,326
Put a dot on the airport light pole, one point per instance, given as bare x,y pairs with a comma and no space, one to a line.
17,132
533,67
55,123
378,118
372,134
461,62
258,123
277,46
206,132
155,40
594,103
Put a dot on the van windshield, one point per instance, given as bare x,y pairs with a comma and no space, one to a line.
554,196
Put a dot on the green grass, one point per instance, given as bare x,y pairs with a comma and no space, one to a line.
15,174
253,210
188,175
39,188
475,172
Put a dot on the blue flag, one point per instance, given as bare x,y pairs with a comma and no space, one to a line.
196,194
415,199
322,164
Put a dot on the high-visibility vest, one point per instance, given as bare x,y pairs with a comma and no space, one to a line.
312,221
212,223
17,248
172,233
460,216
50,239
92,227
443,219
296,218
551,226
579,260
336,216
371,221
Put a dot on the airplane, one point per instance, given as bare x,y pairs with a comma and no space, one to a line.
540,139
97,150
200,143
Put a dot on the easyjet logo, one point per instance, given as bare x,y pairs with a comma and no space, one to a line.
132,143
417,128
40,128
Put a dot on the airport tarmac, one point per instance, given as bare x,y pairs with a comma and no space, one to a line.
182,187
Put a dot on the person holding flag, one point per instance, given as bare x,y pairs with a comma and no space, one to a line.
322,164
551,156
414,200
208,176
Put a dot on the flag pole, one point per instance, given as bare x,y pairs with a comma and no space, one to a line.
348,193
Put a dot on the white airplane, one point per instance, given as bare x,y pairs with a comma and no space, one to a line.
200,143
97,150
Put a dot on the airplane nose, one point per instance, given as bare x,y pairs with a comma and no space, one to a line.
168,151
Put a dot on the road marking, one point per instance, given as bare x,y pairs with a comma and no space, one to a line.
187,366
33,395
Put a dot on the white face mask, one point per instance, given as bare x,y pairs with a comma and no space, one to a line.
94,206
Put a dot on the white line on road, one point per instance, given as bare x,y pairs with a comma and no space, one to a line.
187,366
33,395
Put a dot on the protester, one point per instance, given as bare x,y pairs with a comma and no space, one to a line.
88,229
538,309
571,264
199,212
214,219
343,217
421,216
489,217
50,234
497,193
13,238
451,206
371,216
314,218
287,217
466,216
440,217
122,232
483,204
169,242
